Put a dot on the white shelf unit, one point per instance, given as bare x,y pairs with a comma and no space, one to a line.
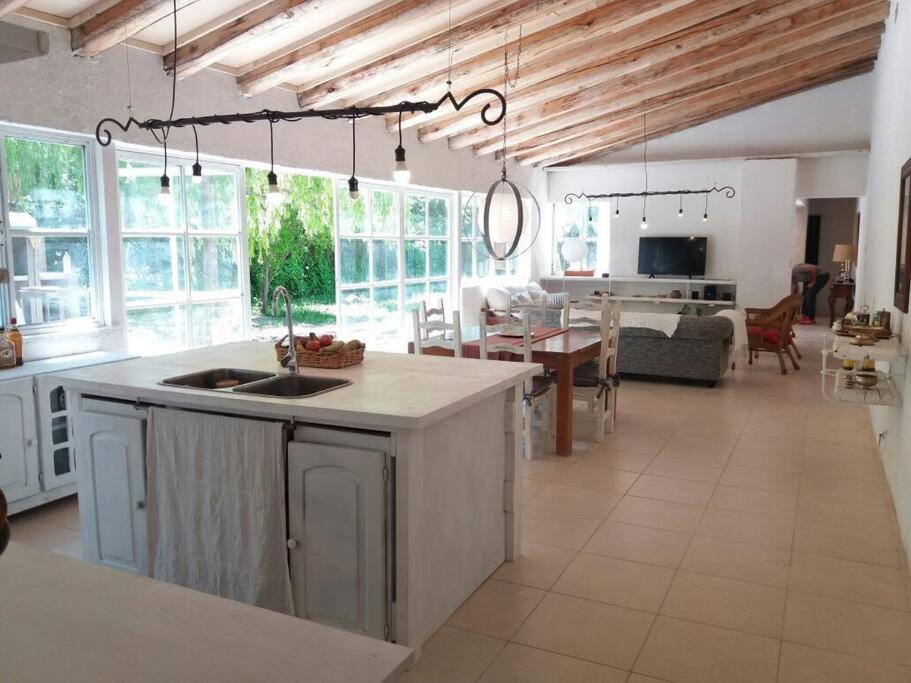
650,293
885,352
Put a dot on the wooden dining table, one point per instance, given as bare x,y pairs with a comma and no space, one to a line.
561,353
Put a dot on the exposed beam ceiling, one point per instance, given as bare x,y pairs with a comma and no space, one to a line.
119,22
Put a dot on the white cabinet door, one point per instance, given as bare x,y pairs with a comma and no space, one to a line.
18,440
337,514
57,465
110,453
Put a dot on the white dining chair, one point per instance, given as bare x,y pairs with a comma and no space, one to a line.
593,380
540,394
437,333
429,313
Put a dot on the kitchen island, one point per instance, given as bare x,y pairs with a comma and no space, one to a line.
431,444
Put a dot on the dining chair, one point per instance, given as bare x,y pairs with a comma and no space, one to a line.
433,313
597,383
437,333
540,395
770,330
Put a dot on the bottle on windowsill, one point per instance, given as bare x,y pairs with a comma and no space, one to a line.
15,338
7,351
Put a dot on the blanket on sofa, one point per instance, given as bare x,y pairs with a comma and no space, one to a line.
663,322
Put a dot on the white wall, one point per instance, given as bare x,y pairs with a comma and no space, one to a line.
832,175
890,148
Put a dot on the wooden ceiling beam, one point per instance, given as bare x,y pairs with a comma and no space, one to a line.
618,25
846,72
262,22
10,6
482,34
119,22
708,103
701,68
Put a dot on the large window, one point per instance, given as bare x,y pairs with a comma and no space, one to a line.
50,238
591,223
184,265
393,250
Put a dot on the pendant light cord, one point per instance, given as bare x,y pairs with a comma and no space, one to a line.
506,82
645,158
400,129
353,149
449,50
271,148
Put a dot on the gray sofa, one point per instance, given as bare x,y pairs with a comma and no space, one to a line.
699,349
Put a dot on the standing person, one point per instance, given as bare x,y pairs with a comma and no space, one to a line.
813,280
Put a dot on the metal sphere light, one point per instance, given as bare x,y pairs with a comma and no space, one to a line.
510,220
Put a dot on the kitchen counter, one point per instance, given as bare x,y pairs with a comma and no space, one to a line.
69,620
390,391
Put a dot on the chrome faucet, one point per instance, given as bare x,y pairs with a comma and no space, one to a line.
290,359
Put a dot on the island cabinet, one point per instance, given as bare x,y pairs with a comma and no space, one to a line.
18,440
110,447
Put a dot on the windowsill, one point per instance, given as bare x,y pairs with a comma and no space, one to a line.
45,330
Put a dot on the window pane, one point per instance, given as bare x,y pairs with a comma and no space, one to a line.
591,221
438,217
415,258
439,287
414,294
141,206
470,214
385,260
591,255
212,203
356,308
439,258
217,322
415,215
385,214
46,183
213,264
484,261
351,212
386,306
152,331
153,268
51,276
467,258
354,261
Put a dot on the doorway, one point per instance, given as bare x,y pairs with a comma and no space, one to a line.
830,222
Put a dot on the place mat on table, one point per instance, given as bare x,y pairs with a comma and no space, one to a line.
472,349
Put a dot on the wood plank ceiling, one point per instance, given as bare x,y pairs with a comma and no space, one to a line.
590,72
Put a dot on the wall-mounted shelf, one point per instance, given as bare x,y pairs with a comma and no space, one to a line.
884,352
662,300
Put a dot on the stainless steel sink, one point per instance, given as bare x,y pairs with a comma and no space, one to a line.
293,386
219,378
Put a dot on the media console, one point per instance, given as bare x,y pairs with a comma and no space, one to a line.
641,293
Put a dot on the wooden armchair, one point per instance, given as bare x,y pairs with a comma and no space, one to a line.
4,524
769,329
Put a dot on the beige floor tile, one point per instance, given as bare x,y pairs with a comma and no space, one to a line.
735,560
658,514
802,664
702,452
844,513
863,545
838,488
575,500
530,488
779,427
600,478
619,582
639,543
72,549
674,490
639,678
767,444
517,663
64,512
758,478
680,468
686,652
558,529
615,460
855,469
756,501
602,633
767,460
542,469
849,580
747,527
848,627
835,450
538,566
496,609
28,529
645,445
453,655
718,601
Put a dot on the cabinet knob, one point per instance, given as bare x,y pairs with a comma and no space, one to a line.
30,442
293,543
140,505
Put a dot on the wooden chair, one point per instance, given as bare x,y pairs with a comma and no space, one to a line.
4,524
437,333
597,383
539,392
770,330
434,313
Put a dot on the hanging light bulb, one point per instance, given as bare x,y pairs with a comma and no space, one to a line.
274,193
400,173
197,167
164,194
353,192
680,210
705,216
644,224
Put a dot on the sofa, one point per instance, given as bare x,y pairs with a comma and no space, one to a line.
699,349
505,302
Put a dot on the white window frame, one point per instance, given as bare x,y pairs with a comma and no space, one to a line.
93,232
188,298
601,240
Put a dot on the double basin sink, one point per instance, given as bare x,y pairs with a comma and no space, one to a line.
257,382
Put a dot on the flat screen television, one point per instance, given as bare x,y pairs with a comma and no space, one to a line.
672,256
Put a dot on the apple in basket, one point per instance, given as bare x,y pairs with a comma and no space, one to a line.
325,340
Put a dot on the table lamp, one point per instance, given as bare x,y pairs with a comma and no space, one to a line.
845,254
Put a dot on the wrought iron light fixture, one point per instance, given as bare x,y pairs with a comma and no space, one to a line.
727,191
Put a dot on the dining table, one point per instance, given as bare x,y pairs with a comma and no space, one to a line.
560,353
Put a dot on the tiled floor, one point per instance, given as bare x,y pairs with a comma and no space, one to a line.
736,534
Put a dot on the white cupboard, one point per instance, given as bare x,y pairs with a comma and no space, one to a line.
19,472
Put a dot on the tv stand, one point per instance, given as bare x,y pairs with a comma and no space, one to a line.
651,277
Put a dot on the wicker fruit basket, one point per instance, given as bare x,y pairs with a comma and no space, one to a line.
319,359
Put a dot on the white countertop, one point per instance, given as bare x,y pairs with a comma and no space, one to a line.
66,620
42,367
390,391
